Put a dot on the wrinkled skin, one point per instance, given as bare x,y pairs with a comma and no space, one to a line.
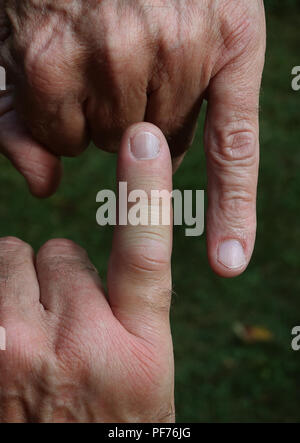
86,69
73,354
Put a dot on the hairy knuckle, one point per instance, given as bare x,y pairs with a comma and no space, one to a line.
13,245
59,247
63,260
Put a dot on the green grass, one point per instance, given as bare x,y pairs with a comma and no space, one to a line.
218,378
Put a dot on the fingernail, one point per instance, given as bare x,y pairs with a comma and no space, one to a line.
231,254
145,146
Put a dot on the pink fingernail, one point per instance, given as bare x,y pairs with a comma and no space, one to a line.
231,254
145,146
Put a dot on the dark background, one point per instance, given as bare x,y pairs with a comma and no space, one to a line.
220,376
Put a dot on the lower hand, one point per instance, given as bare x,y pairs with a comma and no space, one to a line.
73,354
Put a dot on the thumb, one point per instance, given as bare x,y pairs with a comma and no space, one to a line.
139,275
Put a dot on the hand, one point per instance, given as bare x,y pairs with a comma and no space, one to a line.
74,355
41,169
87,70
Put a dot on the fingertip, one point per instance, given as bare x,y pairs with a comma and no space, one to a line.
41,169
229,257
145,141
46,183
60,247
144,153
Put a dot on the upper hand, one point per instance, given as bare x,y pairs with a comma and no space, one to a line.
87,70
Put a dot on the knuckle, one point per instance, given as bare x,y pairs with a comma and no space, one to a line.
34,61
44,67
61,250
233,147
44,77
63,259
11,245
233,156
241,26
58,246
142,263
148,258
59,268
120,40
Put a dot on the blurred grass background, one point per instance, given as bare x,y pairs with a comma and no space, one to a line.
218,376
